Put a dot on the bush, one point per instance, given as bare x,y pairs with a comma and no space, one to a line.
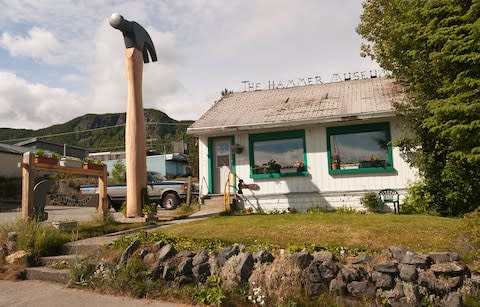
370,202
40,240
471,237
418,200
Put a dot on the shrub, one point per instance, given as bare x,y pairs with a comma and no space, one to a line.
471,237
370,202
40,240
212,294
418,199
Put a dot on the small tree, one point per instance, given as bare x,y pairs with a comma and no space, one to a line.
119,172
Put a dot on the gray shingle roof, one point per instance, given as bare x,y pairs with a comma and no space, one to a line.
13,149
368,98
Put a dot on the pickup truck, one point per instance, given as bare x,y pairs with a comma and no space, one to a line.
165,193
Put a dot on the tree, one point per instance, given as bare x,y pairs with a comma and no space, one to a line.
433,47
119,172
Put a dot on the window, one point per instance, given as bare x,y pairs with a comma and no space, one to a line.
359,149
278,154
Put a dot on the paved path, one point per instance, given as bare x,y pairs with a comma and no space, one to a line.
44,294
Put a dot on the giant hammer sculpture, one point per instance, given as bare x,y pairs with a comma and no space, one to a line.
139,45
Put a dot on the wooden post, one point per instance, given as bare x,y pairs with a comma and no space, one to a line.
135,147
28,181
189,190
102,194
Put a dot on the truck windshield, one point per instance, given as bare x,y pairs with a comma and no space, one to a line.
156,176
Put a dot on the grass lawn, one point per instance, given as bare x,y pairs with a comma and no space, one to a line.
354,231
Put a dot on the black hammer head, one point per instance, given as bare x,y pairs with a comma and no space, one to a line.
135,36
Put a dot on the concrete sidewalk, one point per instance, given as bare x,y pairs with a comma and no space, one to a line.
45,294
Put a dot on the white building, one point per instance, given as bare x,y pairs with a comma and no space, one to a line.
318,145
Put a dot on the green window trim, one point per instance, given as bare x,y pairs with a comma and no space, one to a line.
252,138
359,129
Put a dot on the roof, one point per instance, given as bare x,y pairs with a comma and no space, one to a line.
35,141
13,149
328,102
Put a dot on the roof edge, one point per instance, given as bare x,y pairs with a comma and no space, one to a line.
287,124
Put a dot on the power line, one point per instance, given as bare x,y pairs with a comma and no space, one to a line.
90,130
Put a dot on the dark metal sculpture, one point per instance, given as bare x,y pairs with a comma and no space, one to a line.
135,36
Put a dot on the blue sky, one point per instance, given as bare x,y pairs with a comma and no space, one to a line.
61,59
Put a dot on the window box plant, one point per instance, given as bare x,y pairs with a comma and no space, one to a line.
45,157
89,163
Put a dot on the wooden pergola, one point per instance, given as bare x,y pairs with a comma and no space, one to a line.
29,169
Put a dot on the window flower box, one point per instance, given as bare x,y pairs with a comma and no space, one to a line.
45,160
66,162
92,166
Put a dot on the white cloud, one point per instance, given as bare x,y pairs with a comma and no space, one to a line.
28,105
40,44
110,83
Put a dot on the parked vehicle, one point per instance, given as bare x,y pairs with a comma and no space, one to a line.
165,193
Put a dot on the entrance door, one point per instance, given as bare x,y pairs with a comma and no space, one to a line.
221,163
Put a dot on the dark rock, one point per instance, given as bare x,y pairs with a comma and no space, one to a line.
323,256
408,272
439,285
184,280
302,259
169,270
12,236
393,295
386,268
201,257
149,259
452,300
328,270
227,253
313,272
396,253
127,253
201,271
420,261
382,280
361,289
350,275
442,257
185,267
338,286
263,257
449,268
411,294
3,252
158,245
12,242
166,252
314,288
245,266
362,259
185,254
475,278
144,252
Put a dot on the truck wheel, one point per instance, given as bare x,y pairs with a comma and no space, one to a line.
170,201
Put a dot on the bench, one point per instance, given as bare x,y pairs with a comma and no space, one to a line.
389,196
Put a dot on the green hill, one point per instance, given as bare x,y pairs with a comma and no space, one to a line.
103,132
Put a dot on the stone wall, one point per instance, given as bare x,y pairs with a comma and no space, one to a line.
397,276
